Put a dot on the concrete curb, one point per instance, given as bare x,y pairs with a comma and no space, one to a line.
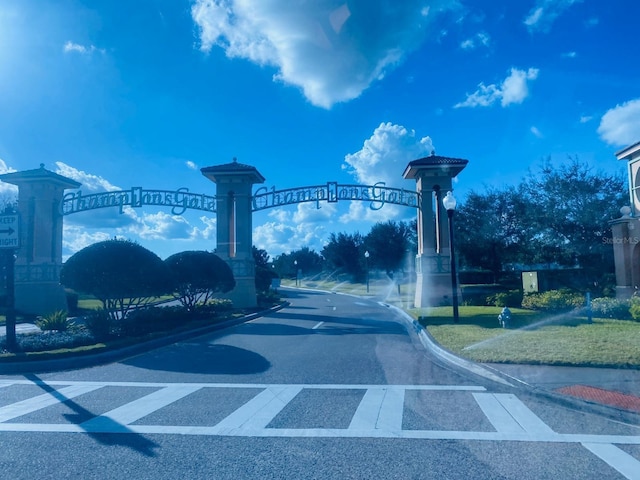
90,360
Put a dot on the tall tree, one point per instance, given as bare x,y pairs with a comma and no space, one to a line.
388,244
345,253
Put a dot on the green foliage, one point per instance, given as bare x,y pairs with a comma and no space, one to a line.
98,323
198,275
345,253
121,274
309,261
55,321
388,244
146,320
553,300
72,300
634,308
264,272
605,307
512,298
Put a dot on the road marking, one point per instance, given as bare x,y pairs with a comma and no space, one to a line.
45,400
508,414
380,408
141,407
616,458
317,325
258,412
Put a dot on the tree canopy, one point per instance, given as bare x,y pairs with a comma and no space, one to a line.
389,245
558,216
120,273
198,275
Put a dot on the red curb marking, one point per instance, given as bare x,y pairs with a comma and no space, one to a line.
607,397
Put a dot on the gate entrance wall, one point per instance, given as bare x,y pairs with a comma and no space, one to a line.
42,204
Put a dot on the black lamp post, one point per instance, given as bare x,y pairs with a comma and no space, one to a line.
449,203
366,262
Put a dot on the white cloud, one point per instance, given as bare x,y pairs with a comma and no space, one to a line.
8,192
570,55
620,126
536,132
89,181
309,213
191,165
513,89
161,225
585,118
542,16
76,237
278,238
82,49
330,50
385,155
480,39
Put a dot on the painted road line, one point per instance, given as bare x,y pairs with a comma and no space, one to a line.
258,412
528,420
317,325
45,400
616,458
141,407
508,414
260,386
380,408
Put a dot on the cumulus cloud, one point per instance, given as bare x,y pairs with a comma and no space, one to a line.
154,226
278,238
384,156
70,46
191,165
332,51
90,182
513,89
620,126
545,12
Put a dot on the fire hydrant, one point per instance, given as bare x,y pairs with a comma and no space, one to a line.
505,317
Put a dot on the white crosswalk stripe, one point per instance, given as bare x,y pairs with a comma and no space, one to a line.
379,414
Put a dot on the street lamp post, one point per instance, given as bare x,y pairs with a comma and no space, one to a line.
295,266
449,203
366,262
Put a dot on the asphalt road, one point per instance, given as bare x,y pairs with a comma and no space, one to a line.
330,387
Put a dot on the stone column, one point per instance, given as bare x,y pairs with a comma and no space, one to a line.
234,225
39,258
433,176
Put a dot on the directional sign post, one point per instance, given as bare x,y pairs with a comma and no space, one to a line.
9,242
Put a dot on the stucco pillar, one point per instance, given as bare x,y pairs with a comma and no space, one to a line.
433,176
39,258
234,225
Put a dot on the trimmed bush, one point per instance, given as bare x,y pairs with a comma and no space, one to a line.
553,300
99,323
634,308
512,298
605,307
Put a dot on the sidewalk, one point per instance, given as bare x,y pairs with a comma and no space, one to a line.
619,388
20,328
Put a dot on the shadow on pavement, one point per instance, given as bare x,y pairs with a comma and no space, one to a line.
211,359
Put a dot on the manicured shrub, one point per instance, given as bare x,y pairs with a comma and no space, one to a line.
553,300
99,323
151,319
634,308
55,340
512,298
605,307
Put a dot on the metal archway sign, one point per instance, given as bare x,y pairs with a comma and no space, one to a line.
182,199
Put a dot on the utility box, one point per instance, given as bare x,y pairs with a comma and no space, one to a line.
530,282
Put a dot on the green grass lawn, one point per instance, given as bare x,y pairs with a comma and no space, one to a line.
534,338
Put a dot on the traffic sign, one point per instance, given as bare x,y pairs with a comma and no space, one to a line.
10,231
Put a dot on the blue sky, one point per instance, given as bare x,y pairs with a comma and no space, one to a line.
144,93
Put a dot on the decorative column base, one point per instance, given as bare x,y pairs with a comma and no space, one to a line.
433,282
